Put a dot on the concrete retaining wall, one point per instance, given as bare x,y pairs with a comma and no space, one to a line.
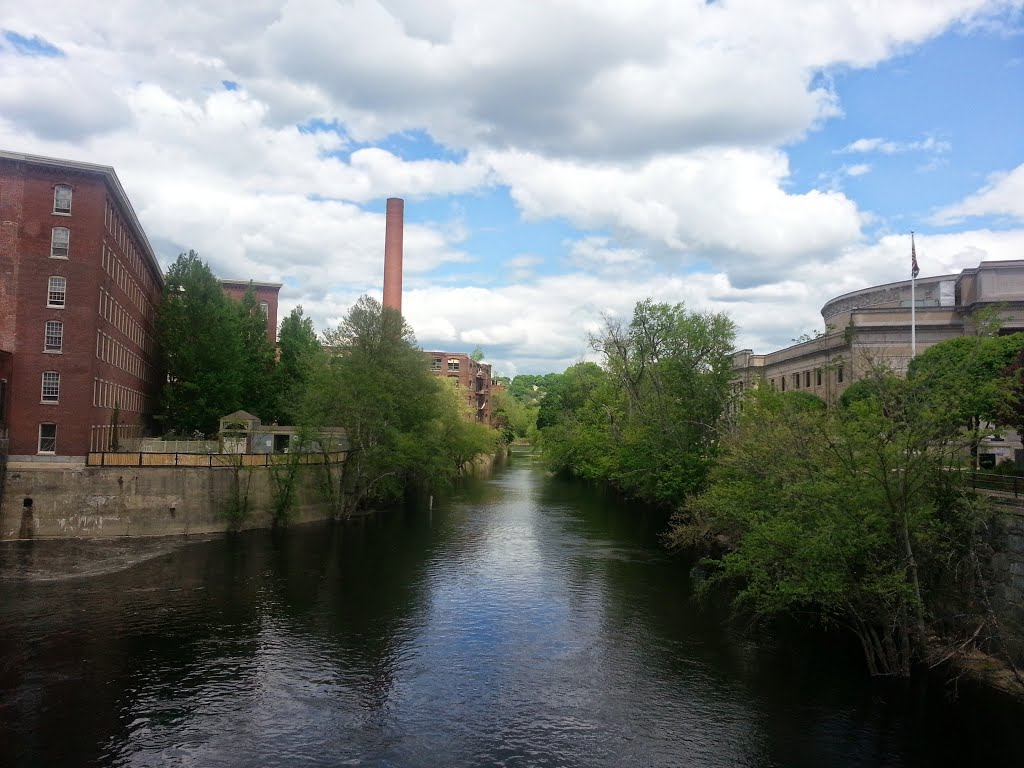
76,501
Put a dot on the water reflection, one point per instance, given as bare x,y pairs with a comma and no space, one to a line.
522,621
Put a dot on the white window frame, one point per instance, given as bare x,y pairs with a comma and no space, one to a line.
60,206
56,247
49,390
453,364
53,438
265,308
53,336
56,292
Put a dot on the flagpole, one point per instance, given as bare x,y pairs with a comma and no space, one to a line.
913,299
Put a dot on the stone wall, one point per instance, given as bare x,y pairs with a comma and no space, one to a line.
75,501
1007,577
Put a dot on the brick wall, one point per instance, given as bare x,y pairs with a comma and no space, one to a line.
265,292
112,286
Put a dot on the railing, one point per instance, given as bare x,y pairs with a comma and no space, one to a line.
209,460
1008,484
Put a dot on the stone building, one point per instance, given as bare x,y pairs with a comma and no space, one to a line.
473,378
79,286
873,325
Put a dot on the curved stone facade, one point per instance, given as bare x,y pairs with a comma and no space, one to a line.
873,326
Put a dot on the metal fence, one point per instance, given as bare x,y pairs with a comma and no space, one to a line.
209,460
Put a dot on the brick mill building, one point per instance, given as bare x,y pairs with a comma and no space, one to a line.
473,378
266,299
79,286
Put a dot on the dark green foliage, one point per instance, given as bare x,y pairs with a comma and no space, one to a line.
216,355
299,351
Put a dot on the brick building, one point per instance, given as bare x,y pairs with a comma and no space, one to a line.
473,378
266,298
79,286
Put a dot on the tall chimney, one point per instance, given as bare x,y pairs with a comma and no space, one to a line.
393,253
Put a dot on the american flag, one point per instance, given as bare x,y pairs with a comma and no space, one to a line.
914,269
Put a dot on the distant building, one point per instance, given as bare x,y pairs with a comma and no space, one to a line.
473,378
266,299
79,286
873,326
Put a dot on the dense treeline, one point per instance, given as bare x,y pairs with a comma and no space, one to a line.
405,425
646,421
854,514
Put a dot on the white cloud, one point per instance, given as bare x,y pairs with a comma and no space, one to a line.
727,204
1002,196
889,147
654,127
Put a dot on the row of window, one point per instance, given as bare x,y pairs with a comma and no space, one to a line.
101,436
122,236
112,266
105,394
802,380
109,394
114,313
110,350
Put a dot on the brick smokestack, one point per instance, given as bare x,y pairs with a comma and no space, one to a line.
393,226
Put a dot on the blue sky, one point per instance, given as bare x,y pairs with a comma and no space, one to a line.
560,160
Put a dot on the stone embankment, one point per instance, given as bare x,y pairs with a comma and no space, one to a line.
1006,574
75,501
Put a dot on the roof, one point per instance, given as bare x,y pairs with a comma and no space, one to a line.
113,183
246,281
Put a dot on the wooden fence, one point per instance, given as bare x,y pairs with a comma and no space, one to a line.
209,460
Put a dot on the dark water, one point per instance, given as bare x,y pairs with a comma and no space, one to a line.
522,622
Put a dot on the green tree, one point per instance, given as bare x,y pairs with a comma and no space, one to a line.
455,434
299,351
404,425
202,349
673,368
849,515
579,419
258,358
967,375
515,419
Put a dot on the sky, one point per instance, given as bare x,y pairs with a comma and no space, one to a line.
560,160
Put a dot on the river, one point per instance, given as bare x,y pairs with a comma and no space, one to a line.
523,621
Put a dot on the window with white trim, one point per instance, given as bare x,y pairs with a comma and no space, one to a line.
62,198
56,292
60,242
51,387
54,340
265,308
453,363
47,438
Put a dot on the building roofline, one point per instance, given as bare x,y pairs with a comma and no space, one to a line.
883,286
110,176
226,281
